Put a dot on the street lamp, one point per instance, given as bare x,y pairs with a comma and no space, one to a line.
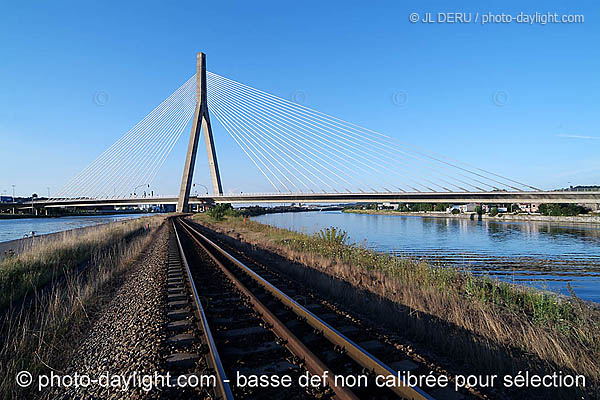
138,186
194,185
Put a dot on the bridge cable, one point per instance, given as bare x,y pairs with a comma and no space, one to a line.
323,119
353,145
335,151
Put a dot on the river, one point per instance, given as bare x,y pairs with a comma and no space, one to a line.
11,229
541,254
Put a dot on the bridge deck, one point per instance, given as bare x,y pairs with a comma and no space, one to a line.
592,197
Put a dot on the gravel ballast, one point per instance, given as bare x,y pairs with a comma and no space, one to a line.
122,346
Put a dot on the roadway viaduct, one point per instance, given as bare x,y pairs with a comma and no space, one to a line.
579,197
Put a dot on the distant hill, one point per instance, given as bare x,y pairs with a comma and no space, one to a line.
582,188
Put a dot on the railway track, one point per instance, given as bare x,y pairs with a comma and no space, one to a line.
258,335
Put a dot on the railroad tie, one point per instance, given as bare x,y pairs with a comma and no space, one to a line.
182,360
179,314
180,325
181,339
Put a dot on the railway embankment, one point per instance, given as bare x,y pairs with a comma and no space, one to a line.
487,326
324,340
56,291
99,301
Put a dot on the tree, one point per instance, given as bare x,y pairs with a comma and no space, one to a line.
220,210
440,207
421,207
562,209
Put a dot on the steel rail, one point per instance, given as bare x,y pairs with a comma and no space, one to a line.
357,353
313,364
215,360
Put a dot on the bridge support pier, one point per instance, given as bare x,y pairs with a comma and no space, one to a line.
201,120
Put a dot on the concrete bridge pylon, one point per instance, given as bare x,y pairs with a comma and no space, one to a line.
201,120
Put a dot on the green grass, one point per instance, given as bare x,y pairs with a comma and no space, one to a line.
542,307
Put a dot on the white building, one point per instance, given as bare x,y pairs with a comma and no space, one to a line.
466,208
394,206
528,207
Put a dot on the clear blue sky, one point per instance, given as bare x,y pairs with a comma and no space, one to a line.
349,58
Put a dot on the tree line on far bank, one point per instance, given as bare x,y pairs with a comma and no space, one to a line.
221,210
562,209
543,209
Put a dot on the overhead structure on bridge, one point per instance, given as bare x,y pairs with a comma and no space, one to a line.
129,166
303,154
301,150
201,119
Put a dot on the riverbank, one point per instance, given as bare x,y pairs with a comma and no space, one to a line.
255,211
87,272
23,216
13,230
18,246
580,219
497,326
40,260
82,214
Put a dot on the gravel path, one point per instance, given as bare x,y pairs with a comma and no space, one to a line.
126,336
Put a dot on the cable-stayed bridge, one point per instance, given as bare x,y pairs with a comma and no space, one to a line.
303,154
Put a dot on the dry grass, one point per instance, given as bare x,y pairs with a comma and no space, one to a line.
49,258
494,326
33,333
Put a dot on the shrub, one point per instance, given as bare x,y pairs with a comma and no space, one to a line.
493,211
216,213
421,207
455,211
219,211
333,235
440,207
